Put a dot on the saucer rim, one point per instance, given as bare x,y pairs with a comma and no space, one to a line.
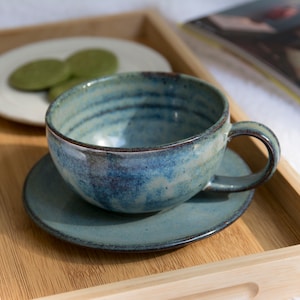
136,247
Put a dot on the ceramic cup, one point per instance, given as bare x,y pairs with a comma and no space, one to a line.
144,142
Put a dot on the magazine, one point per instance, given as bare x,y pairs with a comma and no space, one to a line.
265,33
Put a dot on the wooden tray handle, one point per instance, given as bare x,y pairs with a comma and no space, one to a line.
270,275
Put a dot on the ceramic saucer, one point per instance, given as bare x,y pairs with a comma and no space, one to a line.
58,210
30,108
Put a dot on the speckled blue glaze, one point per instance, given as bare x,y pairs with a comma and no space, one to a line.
142,142
63,214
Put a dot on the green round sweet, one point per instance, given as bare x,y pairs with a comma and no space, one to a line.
39,74
61,87
92,63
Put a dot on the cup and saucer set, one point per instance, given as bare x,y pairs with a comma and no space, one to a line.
139,161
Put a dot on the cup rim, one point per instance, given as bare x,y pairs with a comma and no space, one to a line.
189,140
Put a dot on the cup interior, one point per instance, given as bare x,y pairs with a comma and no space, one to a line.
137,110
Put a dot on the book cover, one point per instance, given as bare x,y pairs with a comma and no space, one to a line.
265,33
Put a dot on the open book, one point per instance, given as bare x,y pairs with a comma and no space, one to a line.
265,33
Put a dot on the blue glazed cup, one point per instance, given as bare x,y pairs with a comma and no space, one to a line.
144,142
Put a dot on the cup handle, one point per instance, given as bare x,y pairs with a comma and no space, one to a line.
243,183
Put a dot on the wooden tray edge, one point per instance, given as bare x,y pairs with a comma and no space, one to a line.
239,278
284,170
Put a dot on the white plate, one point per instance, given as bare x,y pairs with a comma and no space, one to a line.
30,108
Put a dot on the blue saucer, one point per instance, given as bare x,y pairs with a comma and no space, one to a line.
58,210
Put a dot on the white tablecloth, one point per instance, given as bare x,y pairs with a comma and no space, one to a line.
259,99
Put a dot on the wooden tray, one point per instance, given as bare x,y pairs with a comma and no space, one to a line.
35,264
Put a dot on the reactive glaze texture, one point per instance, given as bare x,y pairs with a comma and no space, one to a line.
63,214
138,142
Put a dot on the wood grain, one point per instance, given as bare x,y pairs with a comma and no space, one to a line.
35,264
237,278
